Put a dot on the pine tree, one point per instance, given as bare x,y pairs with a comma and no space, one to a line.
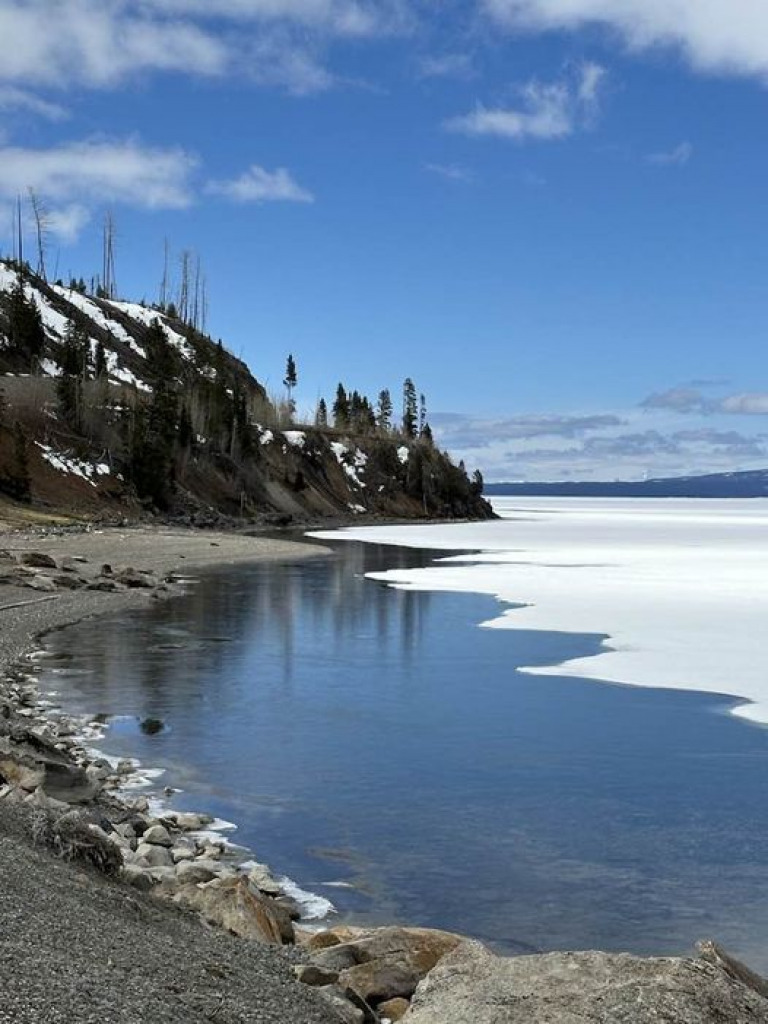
69,387
25,327
100,361
409,408
341,409
19,484
384,416
422,414
321,416
290,381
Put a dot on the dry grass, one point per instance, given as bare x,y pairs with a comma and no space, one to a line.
16,516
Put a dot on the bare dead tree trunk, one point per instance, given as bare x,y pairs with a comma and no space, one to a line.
40,214
164,282
108,263
184,287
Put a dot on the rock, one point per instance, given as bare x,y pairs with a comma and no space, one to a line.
69,581
381,980
135,580
323,940
107,586
393,1009
154,856
196,871
187,822
137,877
182,853
387,963
47,803
309,974
42,583
347,1013
7,556
151,726
162,874
20,775
158,835
473,986
233,905
38,560
261,877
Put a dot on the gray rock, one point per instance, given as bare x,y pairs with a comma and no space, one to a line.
188,822
42,583
473,986
182,853
38,560
348,1013
154,856
158,835
196,871
133,875
261,877
309,974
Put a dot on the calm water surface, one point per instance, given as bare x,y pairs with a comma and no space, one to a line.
378,738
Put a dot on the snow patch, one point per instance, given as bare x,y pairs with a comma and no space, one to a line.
97,315
295,438
74,467
402,454
677,586
147,317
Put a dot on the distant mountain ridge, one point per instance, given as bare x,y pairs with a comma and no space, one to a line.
746,484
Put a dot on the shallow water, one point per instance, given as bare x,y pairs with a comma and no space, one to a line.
378,739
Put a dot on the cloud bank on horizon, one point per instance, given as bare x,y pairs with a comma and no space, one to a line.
540,183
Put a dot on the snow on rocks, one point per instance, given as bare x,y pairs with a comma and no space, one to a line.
402,454
74,467
95,313
147,317
353,463
295,438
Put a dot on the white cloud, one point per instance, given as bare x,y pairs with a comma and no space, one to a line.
94,171
548,111
449,65
451,172
14,99
714,35
677,157
258,185
755,404
100,43
66,222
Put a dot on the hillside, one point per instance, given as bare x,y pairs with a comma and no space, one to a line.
748,484
115,408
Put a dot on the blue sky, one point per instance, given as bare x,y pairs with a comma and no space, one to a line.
550,213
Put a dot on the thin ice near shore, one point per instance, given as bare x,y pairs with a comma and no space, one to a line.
677,588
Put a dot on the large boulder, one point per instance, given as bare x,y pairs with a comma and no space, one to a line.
387,963
234,905
473,986
38,560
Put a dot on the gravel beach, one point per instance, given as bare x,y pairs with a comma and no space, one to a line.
75,946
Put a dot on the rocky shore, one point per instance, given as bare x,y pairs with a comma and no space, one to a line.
114,908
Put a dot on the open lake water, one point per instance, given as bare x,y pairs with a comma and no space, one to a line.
380,749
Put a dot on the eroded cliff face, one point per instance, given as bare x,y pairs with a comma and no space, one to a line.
228,449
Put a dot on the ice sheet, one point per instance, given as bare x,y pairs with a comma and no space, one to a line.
679,588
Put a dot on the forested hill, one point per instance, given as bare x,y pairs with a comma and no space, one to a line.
747,484
111,407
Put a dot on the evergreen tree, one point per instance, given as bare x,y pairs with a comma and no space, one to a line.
426,434
384,417
155,426
321,416
69,387
476,487
422,414
100,361
172,311
341,409
409,408
26,335
17,482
